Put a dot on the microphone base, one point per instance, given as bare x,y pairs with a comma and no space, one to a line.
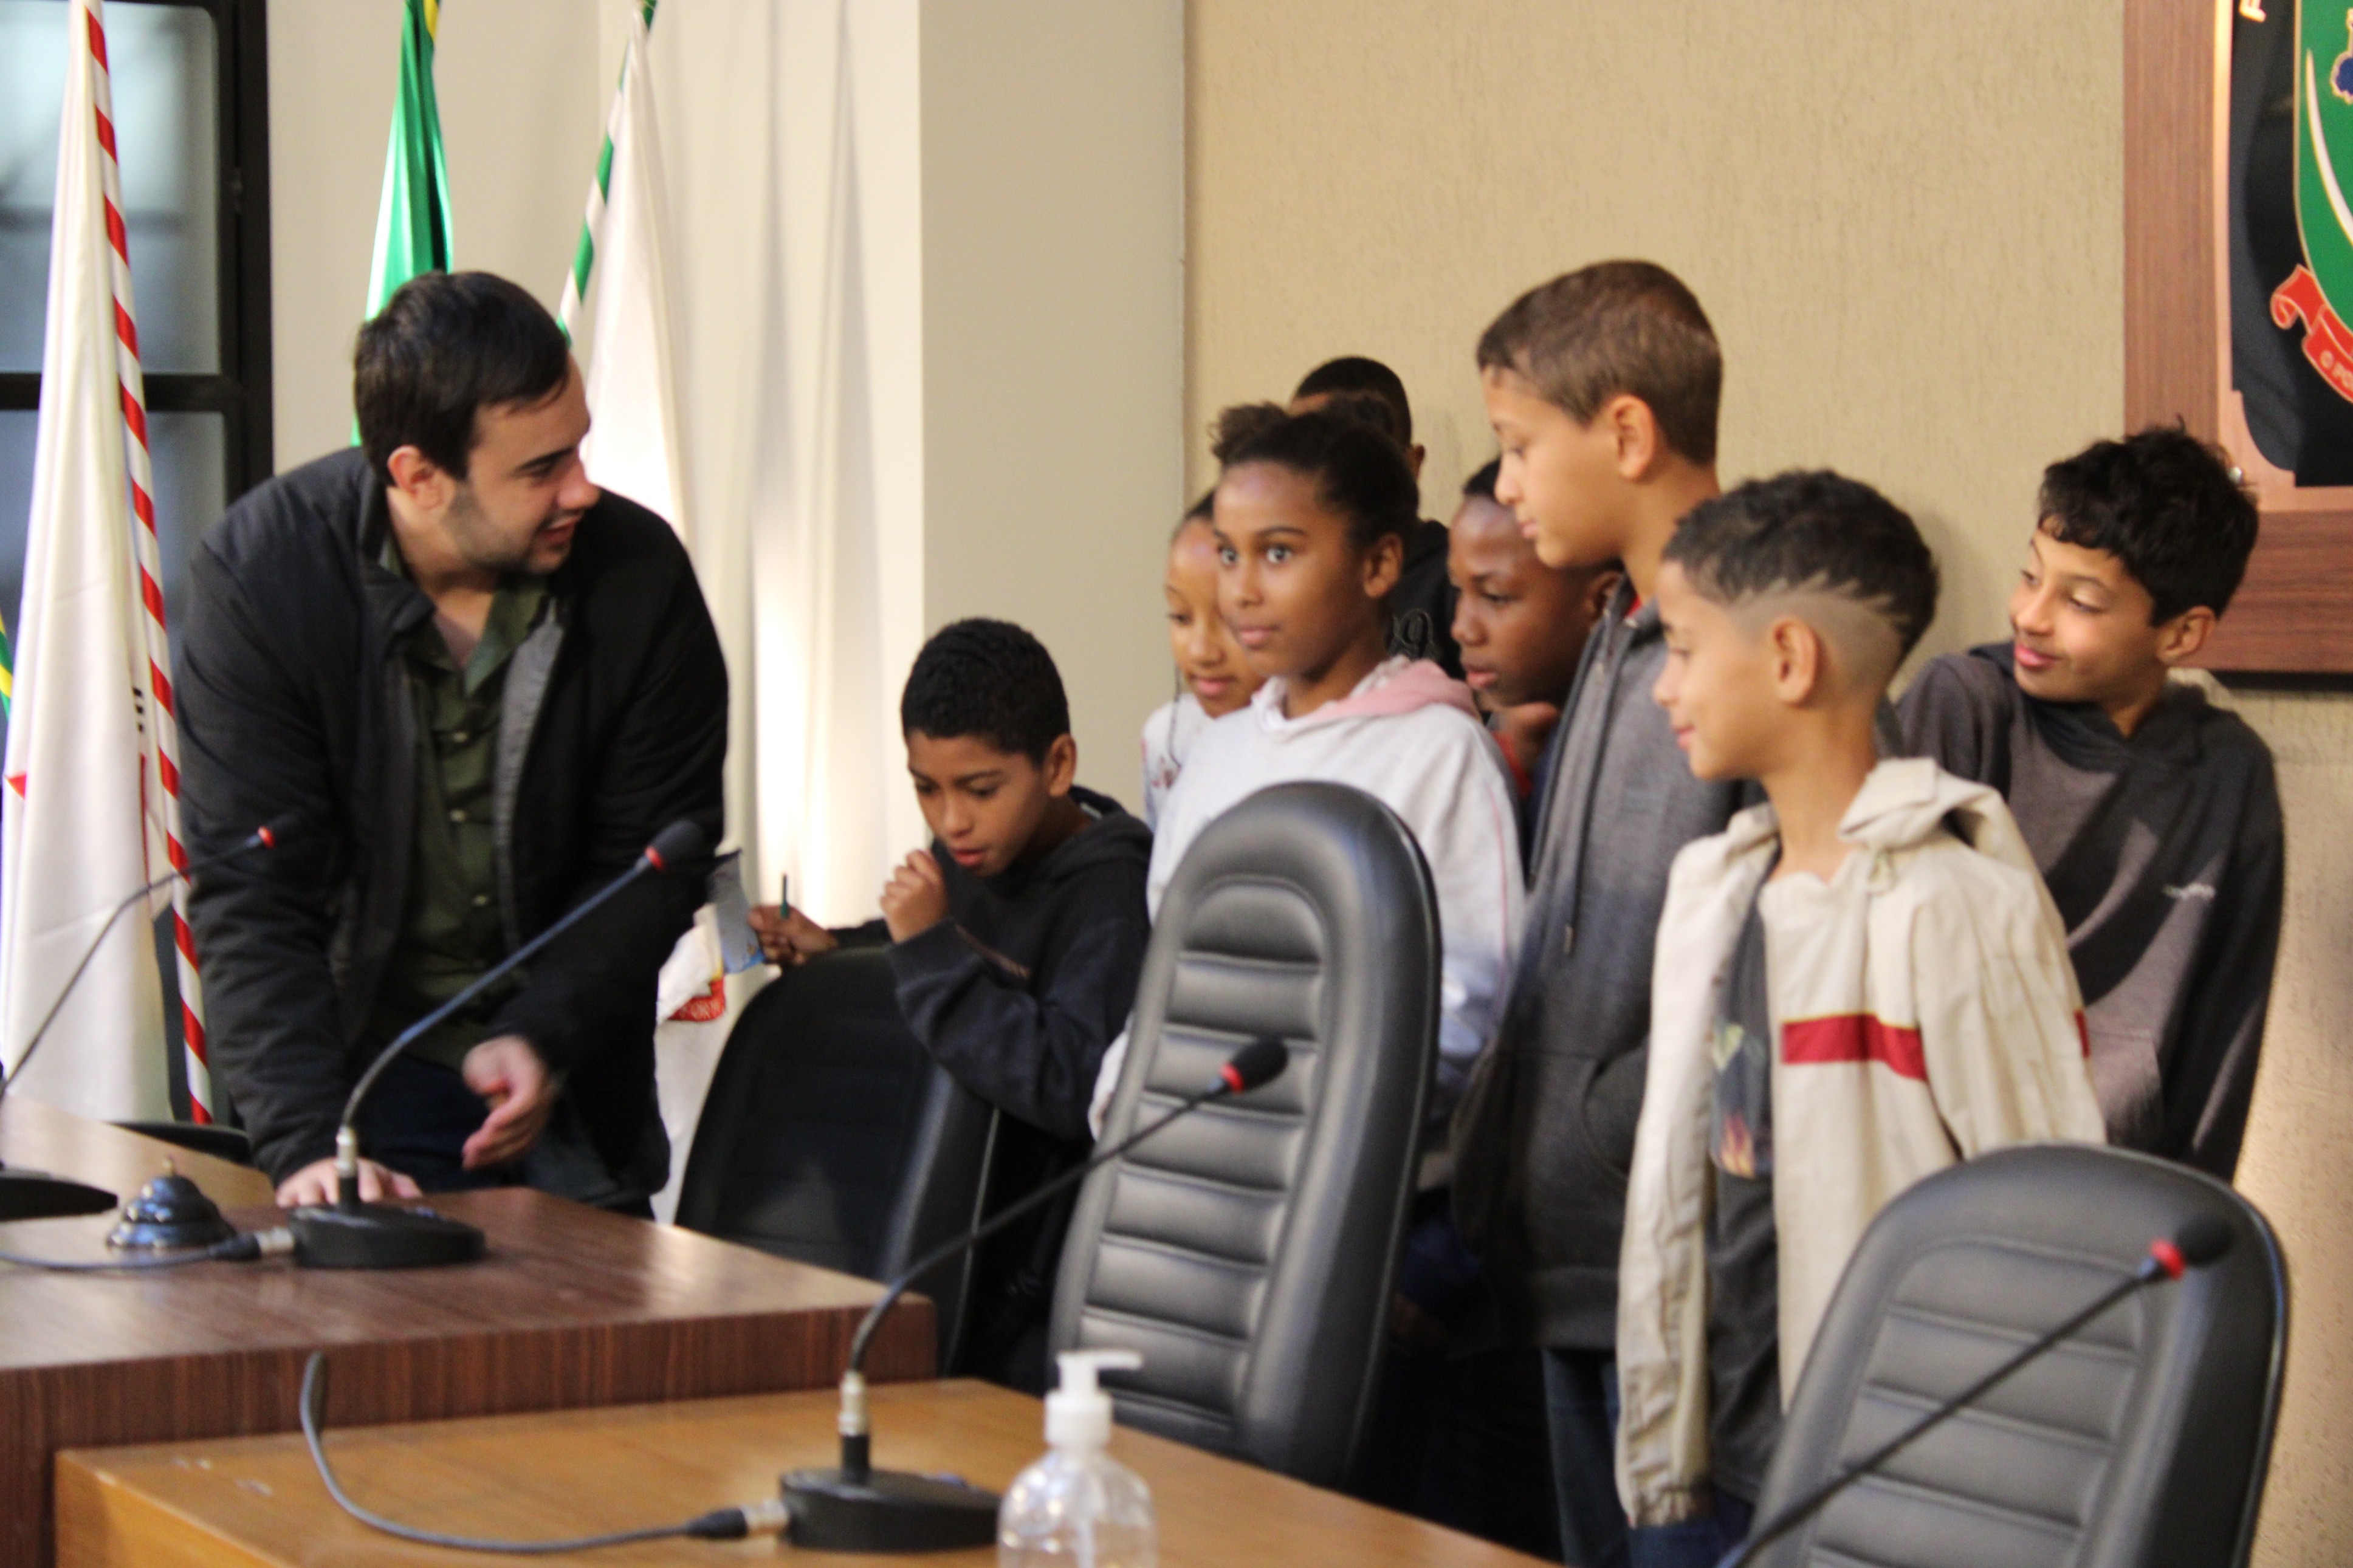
381,1235
887,1510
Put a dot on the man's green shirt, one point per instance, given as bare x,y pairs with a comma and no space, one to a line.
450,929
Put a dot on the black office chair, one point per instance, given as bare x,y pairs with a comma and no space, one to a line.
2142,1441
1248,1251
831,1136
222,1142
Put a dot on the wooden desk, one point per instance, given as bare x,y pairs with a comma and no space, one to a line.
36,1137
572,1307
256,1503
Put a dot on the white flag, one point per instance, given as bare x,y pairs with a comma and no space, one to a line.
636,447
79,826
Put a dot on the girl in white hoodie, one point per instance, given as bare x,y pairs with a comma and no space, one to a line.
1311,515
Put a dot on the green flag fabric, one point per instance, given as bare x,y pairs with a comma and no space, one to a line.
412,221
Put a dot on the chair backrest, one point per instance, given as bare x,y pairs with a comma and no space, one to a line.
2142,1440
231,1143
1248,1251
831,1136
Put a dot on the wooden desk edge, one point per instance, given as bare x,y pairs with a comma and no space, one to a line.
108,1516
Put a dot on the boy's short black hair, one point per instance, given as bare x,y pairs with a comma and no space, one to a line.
988,678
1615,327
1811,530
1355,372
2164,503
1344,446
445,346
1482,484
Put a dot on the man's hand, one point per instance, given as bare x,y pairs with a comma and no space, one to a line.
509,1074
915,899
315,1183
788,937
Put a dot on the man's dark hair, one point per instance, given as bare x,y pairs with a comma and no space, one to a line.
1615,327
1355,372
1483,483
988,678
445,346
1815,531
1344,448
2165,504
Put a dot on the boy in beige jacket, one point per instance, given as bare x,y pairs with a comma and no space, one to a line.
1857,983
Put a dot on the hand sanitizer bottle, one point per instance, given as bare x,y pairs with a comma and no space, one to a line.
1078,1507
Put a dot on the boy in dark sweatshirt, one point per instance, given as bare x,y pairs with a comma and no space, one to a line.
2152,814
1016,941
1602,386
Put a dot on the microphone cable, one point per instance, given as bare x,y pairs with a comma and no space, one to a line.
266,836
766,1516
241,1249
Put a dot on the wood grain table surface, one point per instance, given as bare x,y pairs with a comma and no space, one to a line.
256,1503
572,1307
36,1137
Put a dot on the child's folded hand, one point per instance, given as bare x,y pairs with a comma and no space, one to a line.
915,899
788,937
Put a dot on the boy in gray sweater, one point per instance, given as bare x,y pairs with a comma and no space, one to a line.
2152,814
1602,386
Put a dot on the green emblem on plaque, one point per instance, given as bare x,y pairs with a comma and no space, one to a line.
2319,291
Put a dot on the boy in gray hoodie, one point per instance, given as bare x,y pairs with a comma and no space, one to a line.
1602,386
2152,814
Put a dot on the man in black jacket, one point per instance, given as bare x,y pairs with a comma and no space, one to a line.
477,686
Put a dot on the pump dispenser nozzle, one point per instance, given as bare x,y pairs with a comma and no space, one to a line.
1078,1504
1078,1414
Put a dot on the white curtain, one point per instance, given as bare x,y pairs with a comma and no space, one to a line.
793,155
791,151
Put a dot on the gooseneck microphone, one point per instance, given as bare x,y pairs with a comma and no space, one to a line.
2199,1243
857,1508
266,836
350,1234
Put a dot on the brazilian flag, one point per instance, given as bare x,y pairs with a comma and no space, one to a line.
412,221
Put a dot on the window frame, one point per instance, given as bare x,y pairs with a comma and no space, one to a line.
239,392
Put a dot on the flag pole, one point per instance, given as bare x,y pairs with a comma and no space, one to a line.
161,729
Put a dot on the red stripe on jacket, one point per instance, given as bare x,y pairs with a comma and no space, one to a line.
1854,1038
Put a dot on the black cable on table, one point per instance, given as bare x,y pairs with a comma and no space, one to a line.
720,1524
236,1249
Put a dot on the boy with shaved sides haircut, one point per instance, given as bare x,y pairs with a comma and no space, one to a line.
1857,984
2153,813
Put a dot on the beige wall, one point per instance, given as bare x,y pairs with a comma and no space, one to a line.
1053,136
1905,221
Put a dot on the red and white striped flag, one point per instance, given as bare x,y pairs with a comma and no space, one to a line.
91,806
